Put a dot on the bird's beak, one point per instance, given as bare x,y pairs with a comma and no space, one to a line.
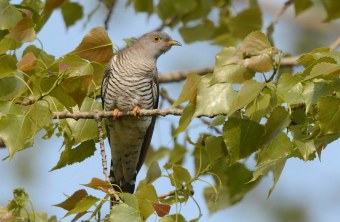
174,42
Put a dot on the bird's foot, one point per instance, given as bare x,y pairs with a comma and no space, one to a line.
115,113
135,110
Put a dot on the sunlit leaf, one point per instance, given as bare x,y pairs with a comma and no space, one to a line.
189,89
154,172
77,87
173,218
313,91
185,120
146,196
323,69
9,15
123,212
96,46
257,108
214,99
329,114
98,184
249,91
290,89
19,201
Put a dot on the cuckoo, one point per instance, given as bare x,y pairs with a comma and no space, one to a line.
131,83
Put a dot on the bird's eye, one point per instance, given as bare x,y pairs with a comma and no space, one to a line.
157,38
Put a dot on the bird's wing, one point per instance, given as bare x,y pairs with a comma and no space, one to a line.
149,132
105,81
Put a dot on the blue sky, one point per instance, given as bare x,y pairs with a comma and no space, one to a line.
310,186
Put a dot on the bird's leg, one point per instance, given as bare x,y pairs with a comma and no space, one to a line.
115,113
135,110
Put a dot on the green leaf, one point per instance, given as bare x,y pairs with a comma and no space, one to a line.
180,176
249,19
75,66
200,32
307,149
85,129
9,15
277,122
173,218
7,64
96,46
23,31
123,212
155,155
98,184
313,91
166,9
329,114
72,12
214,99
213,146
8,86
131,200
249,91
146,195
254,55
290,89
332,8
258,107
280,148
301,5
154,172
19,201
323,69
19,128
189,89
71,201
185,120
77,88
241,137
184,7
273,158
143,6
234,186
76,155
256,52
83,205
227,70
7,43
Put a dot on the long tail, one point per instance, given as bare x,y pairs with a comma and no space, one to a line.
125,187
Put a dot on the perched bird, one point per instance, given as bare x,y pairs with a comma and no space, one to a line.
131,83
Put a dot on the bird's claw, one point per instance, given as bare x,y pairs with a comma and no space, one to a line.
115,114
135,111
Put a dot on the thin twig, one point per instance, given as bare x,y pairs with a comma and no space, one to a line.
281,11
101,143
109,14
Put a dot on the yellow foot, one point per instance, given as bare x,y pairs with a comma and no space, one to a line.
115,113
135,110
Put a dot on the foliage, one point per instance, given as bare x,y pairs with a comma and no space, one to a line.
264,114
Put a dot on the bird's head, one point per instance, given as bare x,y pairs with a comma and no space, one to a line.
156,43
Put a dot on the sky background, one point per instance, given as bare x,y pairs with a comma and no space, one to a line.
307,191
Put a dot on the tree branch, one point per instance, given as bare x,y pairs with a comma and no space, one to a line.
180,75
108,114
